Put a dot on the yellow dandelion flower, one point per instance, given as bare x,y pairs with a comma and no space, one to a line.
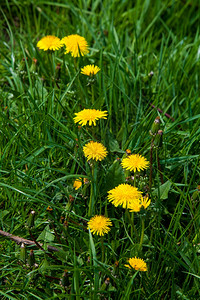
90,70
99,225
89,115
145,202
49,42
75,44
137,264
94,150
125,195
77,183
135,206
135,162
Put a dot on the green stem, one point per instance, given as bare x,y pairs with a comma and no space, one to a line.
131,221
151,165
134,181
75,63
102,249
142,236
158,174
159,167
92,90
132,224
93,191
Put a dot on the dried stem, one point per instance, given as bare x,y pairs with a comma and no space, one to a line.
151,165
40,246
19,240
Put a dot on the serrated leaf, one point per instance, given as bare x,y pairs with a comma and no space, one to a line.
164,190
114,176
46,235
112,143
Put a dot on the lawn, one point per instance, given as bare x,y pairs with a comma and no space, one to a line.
100,147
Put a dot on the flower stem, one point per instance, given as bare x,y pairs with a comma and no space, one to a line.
151,165
157,160
142,236
132,224
159,167
102,249
134,181
92,90
93,191
131,221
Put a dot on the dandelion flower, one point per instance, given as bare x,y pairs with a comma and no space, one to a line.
89,115
135,162
135,206
145,202
99,225
49,42
77,183
90,70
75,44
94,150
137,264
125,195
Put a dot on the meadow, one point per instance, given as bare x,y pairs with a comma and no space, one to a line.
99,152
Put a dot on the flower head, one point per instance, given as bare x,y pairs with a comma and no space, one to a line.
99,225
90,70
137,264
75,44
145,202
94,150
135,162
135,206
125,195
89,115
77,183
49,42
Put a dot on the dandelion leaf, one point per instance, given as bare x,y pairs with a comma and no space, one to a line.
112,143
114,176
46,235
164,190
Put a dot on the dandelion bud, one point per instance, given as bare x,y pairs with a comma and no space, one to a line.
155,127
31,259
158,139
85,180
62,219
34,60
128,152
23,253
31,218
65,224
116,268
58,66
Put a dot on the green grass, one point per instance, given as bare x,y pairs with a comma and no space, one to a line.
41,148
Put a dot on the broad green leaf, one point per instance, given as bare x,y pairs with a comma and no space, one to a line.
46,235
114,176
164,190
